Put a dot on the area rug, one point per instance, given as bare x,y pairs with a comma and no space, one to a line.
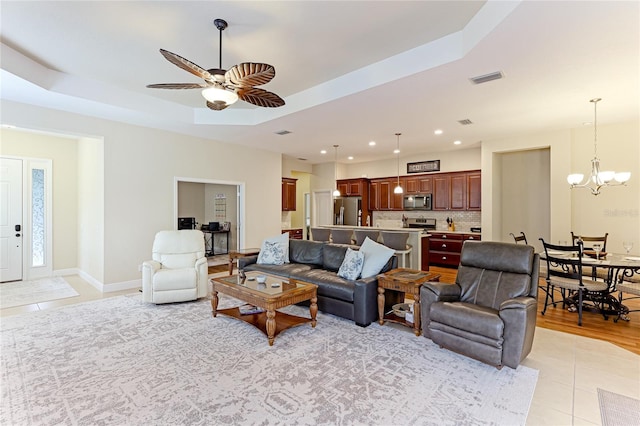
618,410
119,361
28,292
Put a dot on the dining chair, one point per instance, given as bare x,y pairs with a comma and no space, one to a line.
564,273
632,288
342,236
320,234
519,238
590,241
361,234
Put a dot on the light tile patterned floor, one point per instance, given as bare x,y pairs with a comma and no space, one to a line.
571,367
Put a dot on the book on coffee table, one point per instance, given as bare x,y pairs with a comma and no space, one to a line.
248,309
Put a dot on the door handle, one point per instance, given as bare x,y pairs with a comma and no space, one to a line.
17,235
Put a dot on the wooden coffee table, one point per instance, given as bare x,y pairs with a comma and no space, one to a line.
406,281
237,254
267,297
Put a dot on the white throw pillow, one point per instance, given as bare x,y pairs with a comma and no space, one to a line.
282,240
271,254
351,265
375,257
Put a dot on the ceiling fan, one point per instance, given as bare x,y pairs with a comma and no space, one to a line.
222,88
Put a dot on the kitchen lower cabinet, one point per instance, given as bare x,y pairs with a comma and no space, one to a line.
424,246
445,247
295,234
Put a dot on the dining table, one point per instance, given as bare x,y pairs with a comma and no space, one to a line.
616,267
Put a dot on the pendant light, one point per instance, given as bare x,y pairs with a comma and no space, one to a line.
336,192
398,189
597,179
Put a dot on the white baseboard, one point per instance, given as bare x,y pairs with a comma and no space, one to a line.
101,287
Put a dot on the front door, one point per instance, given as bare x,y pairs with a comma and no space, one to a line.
10,219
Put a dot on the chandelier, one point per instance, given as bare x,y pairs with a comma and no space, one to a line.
597,179
398,189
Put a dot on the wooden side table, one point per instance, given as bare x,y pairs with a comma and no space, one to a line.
237,254
406,281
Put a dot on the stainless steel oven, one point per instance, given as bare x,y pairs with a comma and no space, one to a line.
417,202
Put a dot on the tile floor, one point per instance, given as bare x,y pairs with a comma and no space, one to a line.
571,368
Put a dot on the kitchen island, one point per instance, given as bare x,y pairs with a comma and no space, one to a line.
417,240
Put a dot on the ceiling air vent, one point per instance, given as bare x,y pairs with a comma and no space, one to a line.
465,122
487,77
283,132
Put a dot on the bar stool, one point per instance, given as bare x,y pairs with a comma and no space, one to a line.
341,236
398,242
320,234
361,234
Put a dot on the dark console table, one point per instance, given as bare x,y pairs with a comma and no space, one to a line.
209,242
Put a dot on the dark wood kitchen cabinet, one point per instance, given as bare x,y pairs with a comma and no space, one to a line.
450,191
474,191
418,184
352,187
288,194
381,194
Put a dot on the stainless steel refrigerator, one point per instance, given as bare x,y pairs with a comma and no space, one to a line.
347,211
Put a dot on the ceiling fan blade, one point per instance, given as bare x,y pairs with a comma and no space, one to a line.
260,97
249,74
177,86
217,106
186,65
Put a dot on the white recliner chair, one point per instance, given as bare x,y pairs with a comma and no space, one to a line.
178,271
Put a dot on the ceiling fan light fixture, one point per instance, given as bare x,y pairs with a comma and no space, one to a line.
214,94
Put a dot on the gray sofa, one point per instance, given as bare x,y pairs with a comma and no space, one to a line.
318,263
490,312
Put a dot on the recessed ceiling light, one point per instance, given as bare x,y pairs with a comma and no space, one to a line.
349,158
324,151
437,132
457,142
372,143
587,123
396,151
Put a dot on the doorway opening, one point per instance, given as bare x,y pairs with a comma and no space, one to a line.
212,202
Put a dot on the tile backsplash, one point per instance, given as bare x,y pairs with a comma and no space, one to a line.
463,220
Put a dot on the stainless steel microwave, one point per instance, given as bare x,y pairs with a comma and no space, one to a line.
417,202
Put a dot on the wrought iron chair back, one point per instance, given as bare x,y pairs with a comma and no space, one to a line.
589,241
519,238
564,272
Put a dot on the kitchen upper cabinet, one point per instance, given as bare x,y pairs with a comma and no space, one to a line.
352,187
474,191
458,191
450,191
418,184
288,194
381,194
440,199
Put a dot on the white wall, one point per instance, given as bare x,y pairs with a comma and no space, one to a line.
91,238
451,161
616,210
191,201
140,165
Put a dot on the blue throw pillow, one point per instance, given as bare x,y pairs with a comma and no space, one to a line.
351,265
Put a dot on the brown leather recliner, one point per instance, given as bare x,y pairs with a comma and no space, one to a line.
490,312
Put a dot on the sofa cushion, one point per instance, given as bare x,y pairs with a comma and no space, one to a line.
471,318
376,257
332,256
178,261
307,252
283,242
329,283
351,265
174,279
272,253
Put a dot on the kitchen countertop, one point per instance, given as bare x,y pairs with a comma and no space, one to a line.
423,232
